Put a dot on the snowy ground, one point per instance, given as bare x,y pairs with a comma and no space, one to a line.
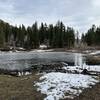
58,85
79,68
94,68
95,52
40,50
35,50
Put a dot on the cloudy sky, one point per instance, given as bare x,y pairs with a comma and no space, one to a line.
80,14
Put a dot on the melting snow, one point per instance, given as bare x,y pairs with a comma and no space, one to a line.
55,85
40,50
95,68
95,52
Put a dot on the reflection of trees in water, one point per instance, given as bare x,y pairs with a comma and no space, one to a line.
79,60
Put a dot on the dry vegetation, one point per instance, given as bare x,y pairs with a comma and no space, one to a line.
19,88
92,93
22,88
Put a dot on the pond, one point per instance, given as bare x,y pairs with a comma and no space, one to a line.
23,60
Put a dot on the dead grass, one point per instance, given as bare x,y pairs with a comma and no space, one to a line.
22,88
93,59
19,88
92,93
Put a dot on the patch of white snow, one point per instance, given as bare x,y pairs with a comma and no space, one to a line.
55,85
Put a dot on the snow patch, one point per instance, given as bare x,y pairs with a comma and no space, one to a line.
95,68
43,46
95,52
55,85
39,50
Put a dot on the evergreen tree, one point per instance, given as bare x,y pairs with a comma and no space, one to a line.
2,37
90,36
53,36
35,36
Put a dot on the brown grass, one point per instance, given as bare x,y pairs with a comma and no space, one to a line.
22,88
19,88
92,93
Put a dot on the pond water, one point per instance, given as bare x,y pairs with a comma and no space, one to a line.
23,60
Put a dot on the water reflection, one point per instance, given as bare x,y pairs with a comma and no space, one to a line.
20,61
80,60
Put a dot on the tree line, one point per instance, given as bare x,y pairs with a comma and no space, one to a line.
54,36
92,37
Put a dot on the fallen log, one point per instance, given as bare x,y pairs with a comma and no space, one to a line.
86,72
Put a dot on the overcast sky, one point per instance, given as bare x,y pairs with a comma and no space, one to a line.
80,14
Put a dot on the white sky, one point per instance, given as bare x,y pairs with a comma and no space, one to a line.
79,14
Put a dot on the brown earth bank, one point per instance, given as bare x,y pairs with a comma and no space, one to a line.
95,60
